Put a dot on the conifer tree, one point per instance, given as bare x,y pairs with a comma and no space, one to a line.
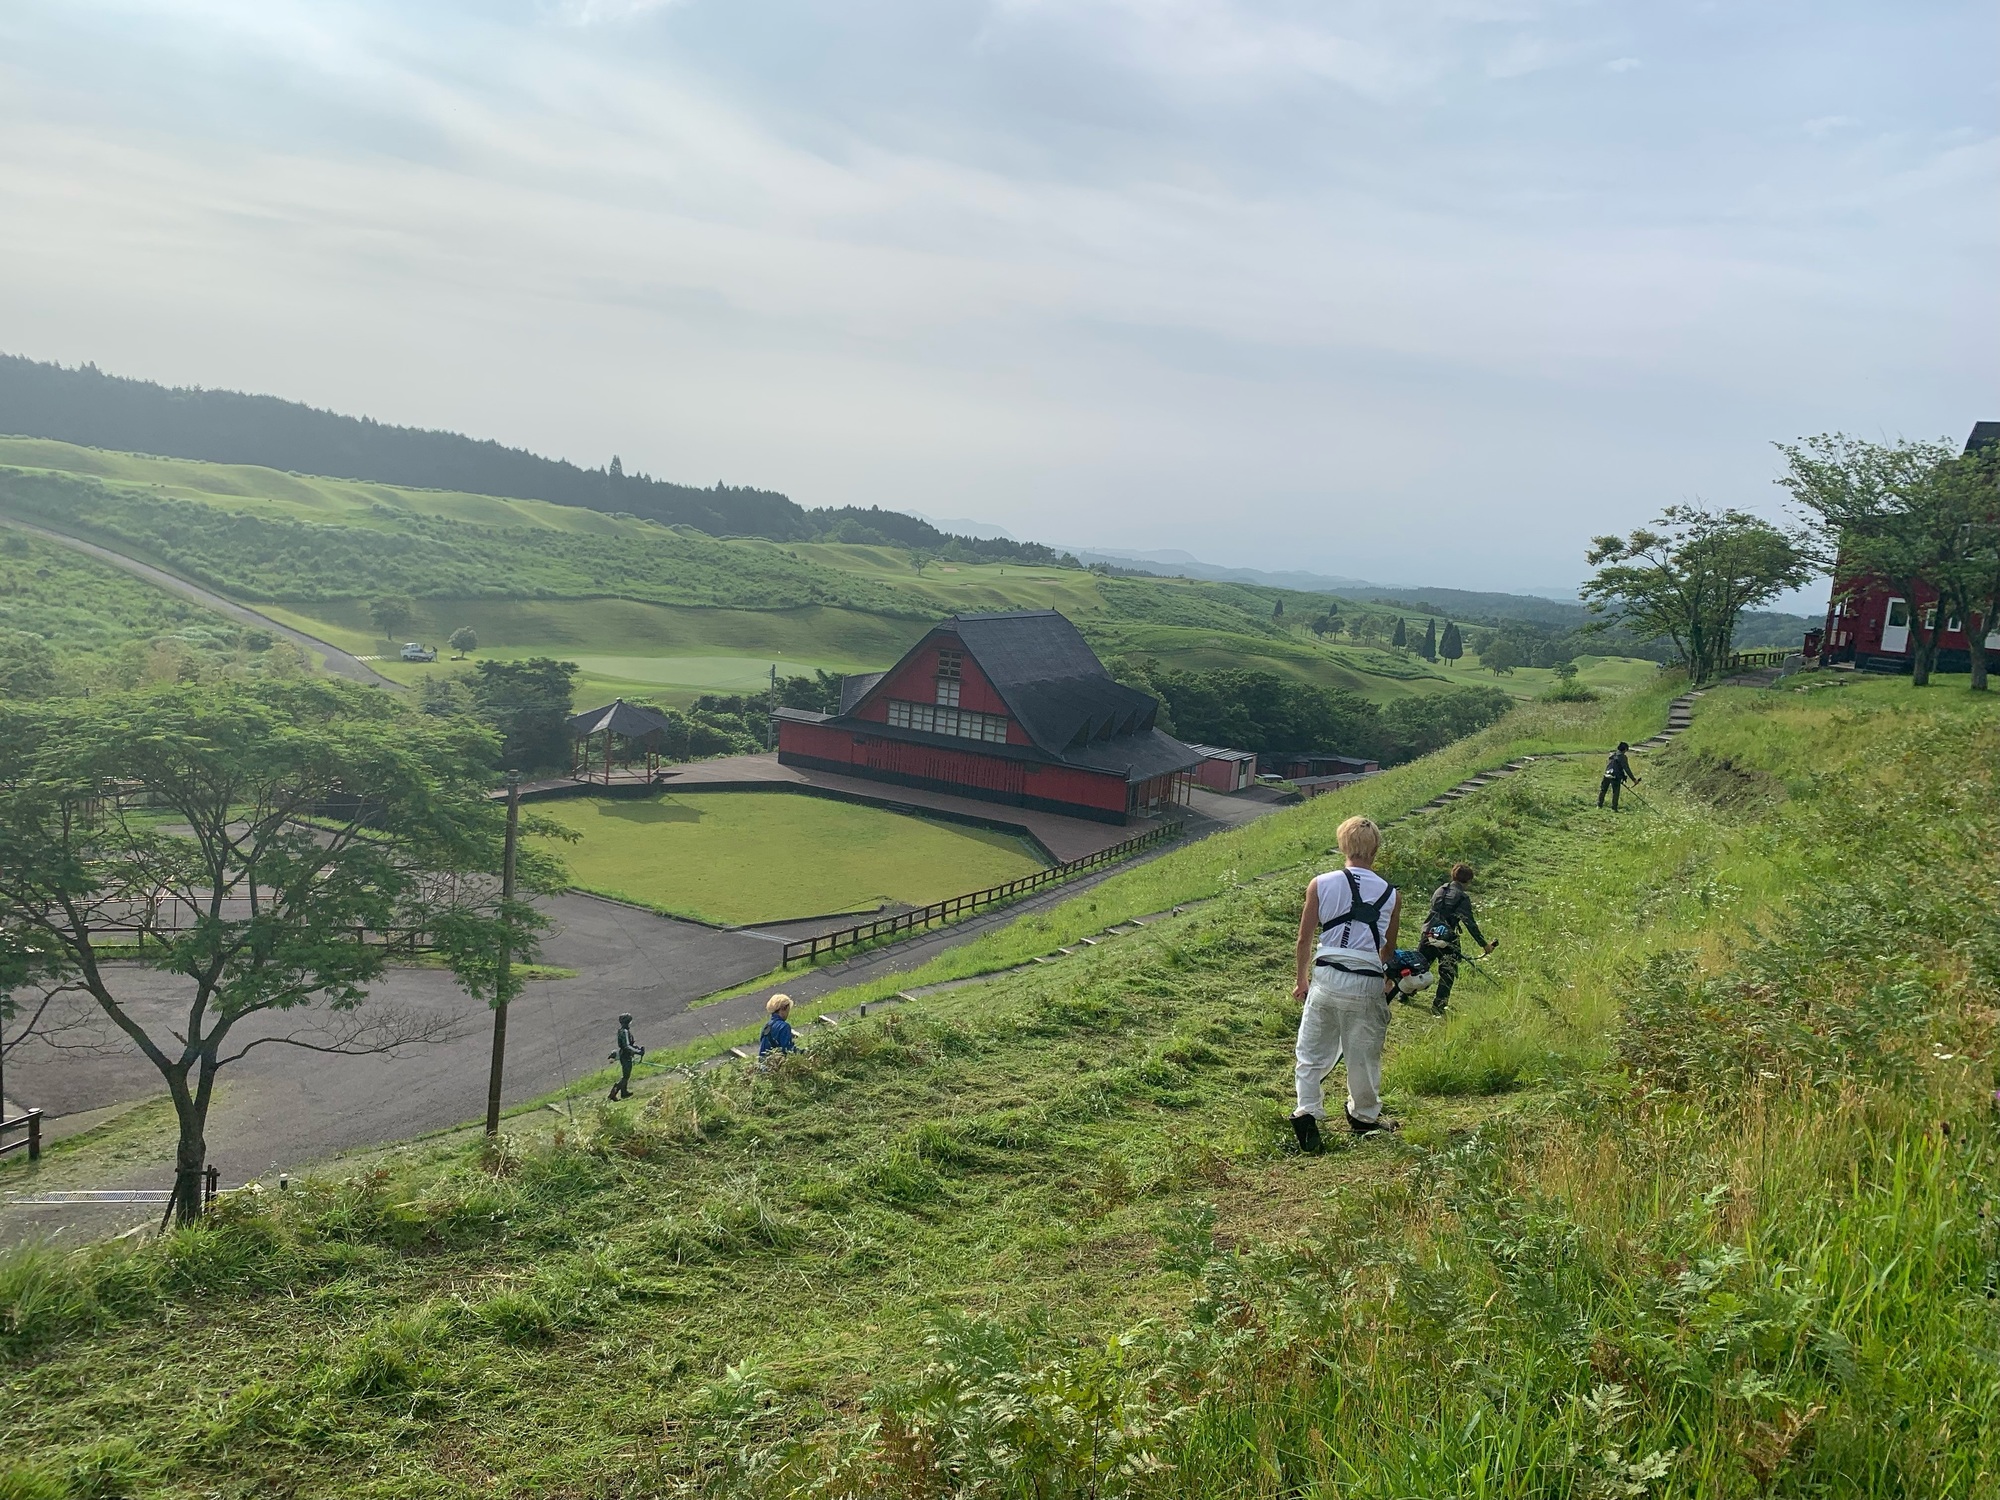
1451,648
1402,636
1430,646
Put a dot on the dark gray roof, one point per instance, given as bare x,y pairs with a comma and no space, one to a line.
619,717
799,715
1139,757
1047,674
1984,435
855,687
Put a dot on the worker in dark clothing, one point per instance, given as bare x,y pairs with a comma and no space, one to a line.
1451,909
628,1053
1617,771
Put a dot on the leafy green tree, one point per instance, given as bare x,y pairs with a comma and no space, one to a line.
1689,581
392,614
1920,517
528,704
27,667
464,639
1500,655
1402,635
1451,648
309,814
1565,670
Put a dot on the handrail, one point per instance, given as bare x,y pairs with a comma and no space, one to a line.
1769,657
811,948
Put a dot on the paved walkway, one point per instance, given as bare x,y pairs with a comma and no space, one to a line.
340,663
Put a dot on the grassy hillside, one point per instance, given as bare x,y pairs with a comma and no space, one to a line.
97,622
647,610
1690,1199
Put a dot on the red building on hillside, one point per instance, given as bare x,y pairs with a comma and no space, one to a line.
1011,708
1868,622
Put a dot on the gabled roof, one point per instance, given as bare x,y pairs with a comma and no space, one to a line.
855,687
1051,680
617,717
1984,435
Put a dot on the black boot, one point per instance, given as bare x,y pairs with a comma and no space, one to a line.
1306,1128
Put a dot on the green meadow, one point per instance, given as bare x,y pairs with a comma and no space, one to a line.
645,610
1693,1195
747,857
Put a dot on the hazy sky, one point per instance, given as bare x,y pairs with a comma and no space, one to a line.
1411,290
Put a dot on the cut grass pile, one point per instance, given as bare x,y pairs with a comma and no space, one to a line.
746,857
1692,1202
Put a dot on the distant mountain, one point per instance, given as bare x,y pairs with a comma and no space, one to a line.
1464,604
1756,628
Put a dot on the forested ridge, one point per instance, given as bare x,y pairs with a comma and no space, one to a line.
87,407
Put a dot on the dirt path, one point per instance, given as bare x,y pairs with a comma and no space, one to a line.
337,661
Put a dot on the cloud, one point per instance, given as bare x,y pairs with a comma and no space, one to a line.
1622,65
1074,267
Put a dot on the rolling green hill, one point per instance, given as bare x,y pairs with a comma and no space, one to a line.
646,610
1692,1198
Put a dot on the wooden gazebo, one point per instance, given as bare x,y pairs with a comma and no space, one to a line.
619,742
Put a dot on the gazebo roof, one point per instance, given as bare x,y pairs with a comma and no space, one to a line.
617,717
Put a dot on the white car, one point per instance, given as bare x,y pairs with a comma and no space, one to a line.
417,651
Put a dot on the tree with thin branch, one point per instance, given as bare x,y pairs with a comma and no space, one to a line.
265,842
1689,581
1919,516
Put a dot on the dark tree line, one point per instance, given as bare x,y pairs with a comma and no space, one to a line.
87,407
528,704
1265,712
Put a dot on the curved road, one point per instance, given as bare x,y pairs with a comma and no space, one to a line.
337,661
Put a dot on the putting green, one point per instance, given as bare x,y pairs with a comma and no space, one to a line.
742,857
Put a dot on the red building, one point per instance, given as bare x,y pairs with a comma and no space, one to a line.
1868,622
1011,708
1224,770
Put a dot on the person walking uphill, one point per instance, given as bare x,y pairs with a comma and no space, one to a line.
1617,771
1451,909
777,1033
628,1053
1347,933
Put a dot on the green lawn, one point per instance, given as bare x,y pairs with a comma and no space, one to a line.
742,857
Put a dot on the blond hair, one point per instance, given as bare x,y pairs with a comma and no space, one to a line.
778,1003
1359,838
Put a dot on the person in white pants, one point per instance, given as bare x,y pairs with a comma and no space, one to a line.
1347,936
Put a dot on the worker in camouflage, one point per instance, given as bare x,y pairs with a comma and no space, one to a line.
1451,909
629,1052
1617,771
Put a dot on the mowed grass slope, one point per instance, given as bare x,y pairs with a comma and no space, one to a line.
1688,1202
746,857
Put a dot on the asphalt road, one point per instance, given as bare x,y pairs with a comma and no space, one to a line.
282,1108
336,661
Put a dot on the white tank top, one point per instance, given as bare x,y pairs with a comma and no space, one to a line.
1350,943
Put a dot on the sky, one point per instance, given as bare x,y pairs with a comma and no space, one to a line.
1415,291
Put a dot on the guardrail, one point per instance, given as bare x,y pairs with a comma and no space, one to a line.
161,936
808,949
31,1143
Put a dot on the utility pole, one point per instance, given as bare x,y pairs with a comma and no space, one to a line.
500,974
771,721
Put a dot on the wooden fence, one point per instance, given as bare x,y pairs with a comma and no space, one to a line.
1744,661
808,949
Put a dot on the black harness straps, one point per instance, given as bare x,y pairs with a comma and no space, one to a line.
1359,910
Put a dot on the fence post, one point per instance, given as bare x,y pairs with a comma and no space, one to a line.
34,1135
